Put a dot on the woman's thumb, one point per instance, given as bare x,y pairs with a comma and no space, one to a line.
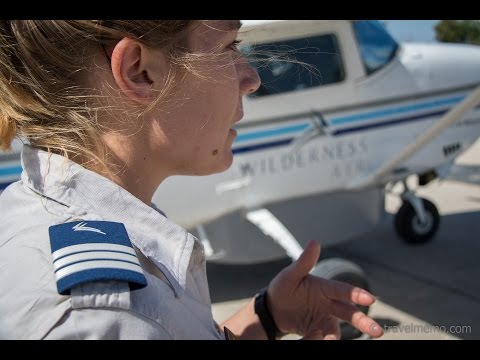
302,266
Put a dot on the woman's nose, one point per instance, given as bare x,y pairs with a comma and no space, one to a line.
250,80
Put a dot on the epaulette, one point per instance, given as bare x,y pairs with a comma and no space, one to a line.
85,251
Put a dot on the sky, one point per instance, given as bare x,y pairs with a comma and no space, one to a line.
411,30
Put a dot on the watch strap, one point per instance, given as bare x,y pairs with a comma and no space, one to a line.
266,318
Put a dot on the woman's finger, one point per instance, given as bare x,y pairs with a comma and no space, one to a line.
358,319
341,291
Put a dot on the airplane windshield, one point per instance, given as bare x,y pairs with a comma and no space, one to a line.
376,45
297,64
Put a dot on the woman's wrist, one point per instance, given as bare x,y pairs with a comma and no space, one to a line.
263,310
245,324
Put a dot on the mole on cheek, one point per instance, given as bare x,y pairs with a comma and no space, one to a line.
215,152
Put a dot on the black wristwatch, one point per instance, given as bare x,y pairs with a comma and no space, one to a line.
266,318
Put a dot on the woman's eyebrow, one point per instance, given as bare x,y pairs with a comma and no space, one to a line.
232,25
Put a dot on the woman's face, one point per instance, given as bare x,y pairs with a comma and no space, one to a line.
196,127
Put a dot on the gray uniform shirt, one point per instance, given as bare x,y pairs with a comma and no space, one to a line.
175,304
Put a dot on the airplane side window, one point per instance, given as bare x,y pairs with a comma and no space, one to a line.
294,65
377,47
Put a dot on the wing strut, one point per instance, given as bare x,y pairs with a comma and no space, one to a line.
272,226
451,117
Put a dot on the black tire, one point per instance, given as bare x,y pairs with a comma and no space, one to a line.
409,228
350,273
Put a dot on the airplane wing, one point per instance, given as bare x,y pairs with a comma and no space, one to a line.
450,118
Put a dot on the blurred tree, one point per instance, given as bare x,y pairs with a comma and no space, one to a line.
464,31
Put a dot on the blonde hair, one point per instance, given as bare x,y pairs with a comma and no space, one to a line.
42,99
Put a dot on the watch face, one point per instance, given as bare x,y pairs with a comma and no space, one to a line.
228,334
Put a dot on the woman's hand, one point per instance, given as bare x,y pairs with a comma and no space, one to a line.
310,306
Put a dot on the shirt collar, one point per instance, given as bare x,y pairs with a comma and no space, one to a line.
166,244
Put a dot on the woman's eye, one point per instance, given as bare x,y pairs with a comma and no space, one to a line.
234,45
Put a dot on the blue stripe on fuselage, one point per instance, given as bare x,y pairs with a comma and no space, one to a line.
272,132
387,123
11,170
262,146
338,132
8,171
398,110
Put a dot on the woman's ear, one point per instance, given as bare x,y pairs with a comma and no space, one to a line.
135,69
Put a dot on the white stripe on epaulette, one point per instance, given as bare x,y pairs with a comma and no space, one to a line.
94,255
91,247
97,264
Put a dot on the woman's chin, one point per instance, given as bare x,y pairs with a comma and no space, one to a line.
223,163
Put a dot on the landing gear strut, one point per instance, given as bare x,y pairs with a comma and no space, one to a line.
417,220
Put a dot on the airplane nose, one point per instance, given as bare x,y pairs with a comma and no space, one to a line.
442,65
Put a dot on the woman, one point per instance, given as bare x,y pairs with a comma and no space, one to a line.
109,109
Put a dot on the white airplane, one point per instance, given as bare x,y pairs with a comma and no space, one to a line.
343,111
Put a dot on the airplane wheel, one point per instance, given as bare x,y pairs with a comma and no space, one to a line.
410,229
350,273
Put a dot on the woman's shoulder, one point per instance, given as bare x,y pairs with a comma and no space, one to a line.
32,300
26,217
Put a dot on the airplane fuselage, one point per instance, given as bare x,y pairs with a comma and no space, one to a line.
319,139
